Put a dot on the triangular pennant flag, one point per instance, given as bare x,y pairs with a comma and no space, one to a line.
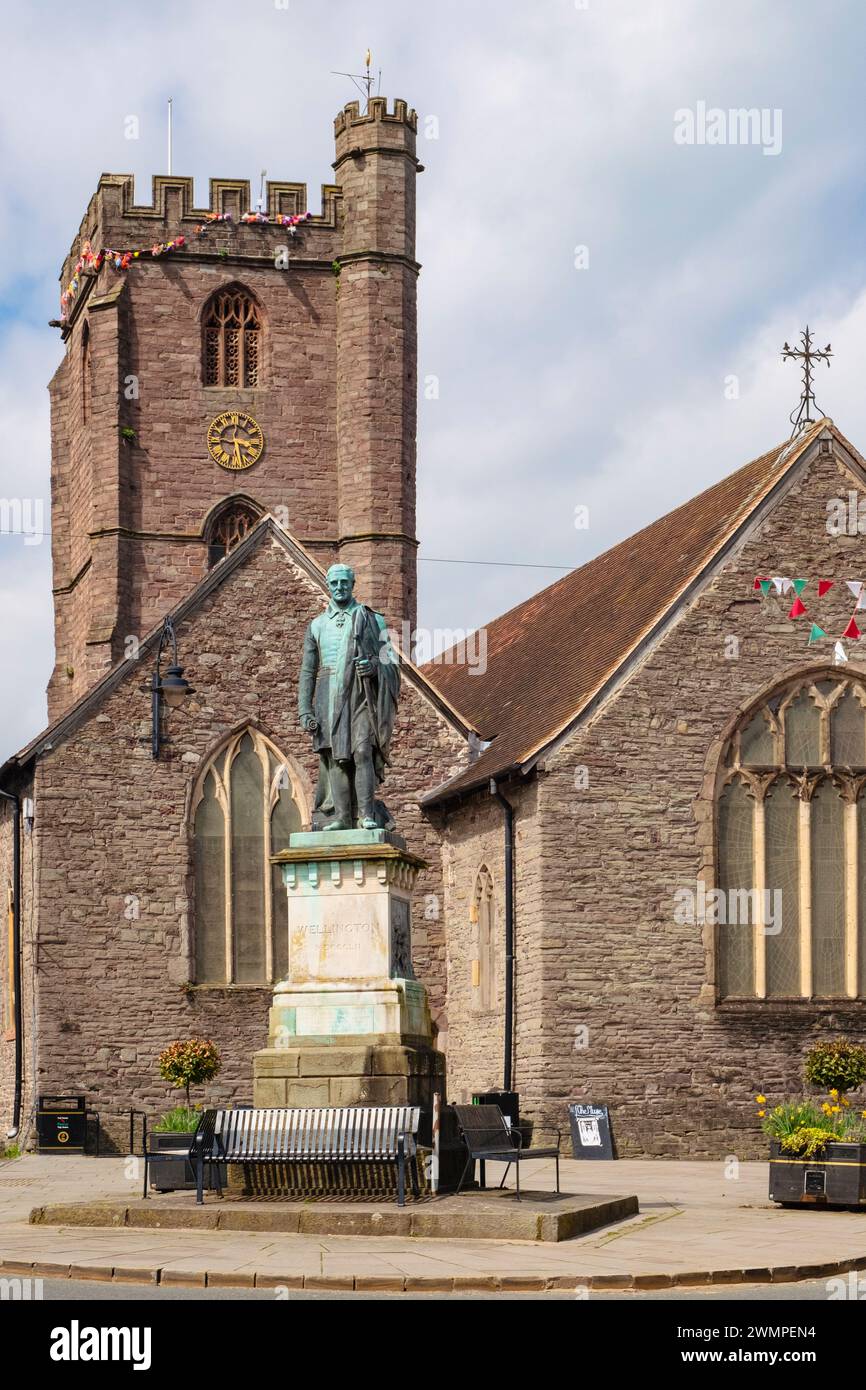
787,585
816,633
856,586
852,630
840,656
798,608
799,585
824,586
861,602
779,584
765,585
759,580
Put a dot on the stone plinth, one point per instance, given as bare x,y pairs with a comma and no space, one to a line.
350,1024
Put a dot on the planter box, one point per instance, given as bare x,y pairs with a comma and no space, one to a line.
837,1179
179,1175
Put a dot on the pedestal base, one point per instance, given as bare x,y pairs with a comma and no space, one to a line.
349,1072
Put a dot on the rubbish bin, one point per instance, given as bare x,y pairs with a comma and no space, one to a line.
61,1124
508,1102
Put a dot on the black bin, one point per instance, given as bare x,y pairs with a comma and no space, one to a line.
61,1124
508,1102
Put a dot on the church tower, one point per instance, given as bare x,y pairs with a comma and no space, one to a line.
252,367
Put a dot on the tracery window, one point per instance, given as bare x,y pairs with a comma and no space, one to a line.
232,339
790,909
483,961
248,801
227,528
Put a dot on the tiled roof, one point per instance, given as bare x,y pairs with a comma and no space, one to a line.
547,657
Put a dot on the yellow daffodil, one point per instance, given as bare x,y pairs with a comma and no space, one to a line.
761,1114
834,1094
762,1100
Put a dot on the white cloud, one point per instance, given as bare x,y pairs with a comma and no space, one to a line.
557,386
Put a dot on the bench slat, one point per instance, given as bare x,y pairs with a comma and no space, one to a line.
311,1132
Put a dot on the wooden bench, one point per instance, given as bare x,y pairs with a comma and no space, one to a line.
488,1139
380,1133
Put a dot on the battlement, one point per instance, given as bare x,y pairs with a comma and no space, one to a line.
377,110
116,229
227,198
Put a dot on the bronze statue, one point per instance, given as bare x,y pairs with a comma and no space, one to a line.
348,691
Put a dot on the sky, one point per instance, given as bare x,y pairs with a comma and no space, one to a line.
604,294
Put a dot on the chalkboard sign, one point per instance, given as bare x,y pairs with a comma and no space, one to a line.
591,1135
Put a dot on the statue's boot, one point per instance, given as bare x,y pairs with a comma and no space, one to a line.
335,825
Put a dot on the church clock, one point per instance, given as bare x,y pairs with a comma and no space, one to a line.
235,440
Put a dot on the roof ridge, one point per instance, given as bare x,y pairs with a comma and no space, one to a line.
610,606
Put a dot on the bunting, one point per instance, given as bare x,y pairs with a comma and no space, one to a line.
783,585
90,262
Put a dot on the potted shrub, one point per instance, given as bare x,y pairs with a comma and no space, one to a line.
818,1148
184,1063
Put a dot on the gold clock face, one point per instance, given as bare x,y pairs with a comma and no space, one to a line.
235,440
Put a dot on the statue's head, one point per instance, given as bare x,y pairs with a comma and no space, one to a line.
341,581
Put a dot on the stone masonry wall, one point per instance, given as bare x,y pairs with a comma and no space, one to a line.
133,483
111,821
679,1070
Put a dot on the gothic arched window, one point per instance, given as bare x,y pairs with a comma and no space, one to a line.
232,339
248,801
483,961
227,527
790,905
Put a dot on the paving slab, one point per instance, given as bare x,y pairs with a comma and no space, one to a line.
697,1226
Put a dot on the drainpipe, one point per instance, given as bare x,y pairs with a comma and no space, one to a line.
16,958
509,931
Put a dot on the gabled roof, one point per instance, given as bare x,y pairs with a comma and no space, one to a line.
266,527
549,658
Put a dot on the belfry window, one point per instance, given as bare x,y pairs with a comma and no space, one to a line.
232,340
228,526
247,803
790,912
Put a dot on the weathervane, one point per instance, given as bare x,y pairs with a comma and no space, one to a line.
363,81
802,417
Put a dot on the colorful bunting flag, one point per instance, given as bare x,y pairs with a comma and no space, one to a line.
840,656
856,586
798,608
816,633
799,585
765,586
852,630
824,586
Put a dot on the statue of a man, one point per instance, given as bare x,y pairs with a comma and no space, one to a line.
347,696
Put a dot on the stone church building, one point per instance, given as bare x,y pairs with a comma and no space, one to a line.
232,415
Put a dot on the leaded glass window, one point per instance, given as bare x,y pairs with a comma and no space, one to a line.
248,802
791,845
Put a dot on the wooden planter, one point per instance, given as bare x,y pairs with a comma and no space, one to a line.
837,1179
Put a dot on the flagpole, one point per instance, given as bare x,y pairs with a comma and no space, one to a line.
169,134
